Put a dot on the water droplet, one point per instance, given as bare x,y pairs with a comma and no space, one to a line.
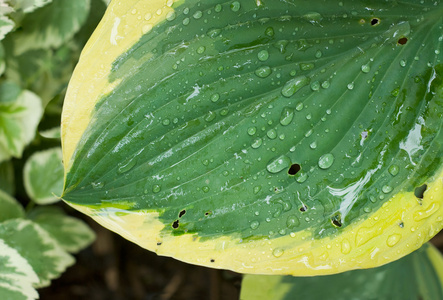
148,16
215,97
286,116
156,188
214,32
309,133
252,130
97,185
263,55
345,246
166,122
325,84
403,63
278,252
302,176
278,164
235,6
257,189
292,221
269,31
313,145
205,189
171,16
272,134
318,54
393,170
315,86
386,189
350,86
146,28
393,239
257,143
326,161
306,67
299,106
365,68
218,8
210,116
308,116
205,162
294,85
313,17
263,71
201,49
255,225
127,165
198,14
186,21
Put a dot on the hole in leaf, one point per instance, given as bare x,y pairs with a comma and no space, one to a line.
419,191
159,244
175,224
208,213
375,21
303,208
401,224
212,260
402,41
182,213
294,169
336,221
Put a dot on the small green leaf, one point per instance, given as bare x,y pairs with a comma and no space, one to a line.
42,252
7,177
16,275
20,112
416,276
71,233
9,207
43,176
51,25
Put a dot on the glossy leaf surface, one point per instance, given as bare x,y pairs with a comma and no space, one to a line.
416,276
261,136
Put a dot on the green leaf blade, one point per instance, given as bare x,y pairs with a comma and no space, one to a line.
204,117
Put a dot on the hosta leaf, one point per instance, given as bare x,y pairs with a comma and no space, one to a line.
6,25
43,176
71,233
273,137
42,252
52,25
28,6
416,276
9,207
20,112
16,275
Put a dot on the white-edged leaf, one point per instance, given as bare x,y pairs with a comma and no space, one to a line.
43,176
20,113
28,6
9,208
47,258
53,133
16,275
6,25
7,182
52,25
71,233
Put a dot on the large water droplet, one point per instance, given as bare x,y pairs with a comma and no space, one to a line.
156,188
255,225
279,164
263,71
272,134
393,239
345,246
263,55
235,6
198,14
286,116
127,165
292,221
171,16
366,68
386,189
278,252
326,161
393,170
252,130
257,143
294,85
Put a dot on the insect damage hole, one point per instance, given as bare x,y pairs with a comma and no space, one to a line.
181,214
375,21
419,191
303,208
294,169
336,221
402,41
176,224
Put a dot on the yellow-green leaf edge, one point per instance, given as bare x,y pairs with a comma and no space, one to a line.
399,227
